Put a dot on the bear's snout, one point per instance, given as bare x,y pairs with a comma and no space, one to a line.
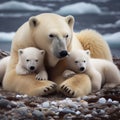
32,68
63,53
82,69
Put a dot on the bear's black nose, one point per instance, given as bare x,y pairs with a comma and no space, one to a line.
63,53
82,69
32,67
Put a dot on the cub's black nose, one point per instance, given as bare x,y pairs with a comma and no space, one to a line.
63,53
32,67
82,69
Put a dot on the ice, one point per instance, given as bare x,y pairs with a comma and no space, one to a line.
112,38
16,5
109,25
79,8
6,36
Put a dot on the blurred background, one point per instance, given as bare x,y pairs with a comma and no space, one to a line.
101,15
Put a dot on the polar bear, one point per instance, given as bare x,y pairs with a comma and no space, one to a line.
54,34
100,71
31,60
3,65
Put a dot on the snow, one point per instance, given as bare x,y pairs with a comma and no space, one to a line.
6,36
79,8
112,37
16,5
109,25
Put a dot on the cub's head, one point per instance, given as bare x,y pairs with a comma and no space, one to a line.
31,58
78,60
52,33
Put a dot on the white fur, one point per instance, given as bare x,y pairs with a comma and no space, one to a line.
3,65
100,71
31,60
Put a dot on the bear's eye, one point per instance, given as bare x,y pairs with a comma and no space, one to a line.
27,60
76,61
36,60
51,35
66,36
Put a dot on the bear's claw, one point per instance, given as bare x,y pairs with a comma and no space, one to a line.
67,91
50,88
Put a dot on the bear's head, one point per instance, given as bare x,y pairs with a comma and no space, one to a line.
31,58
78,60
52,33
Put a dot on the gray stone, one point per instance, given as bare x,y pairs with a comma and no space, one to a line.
38,114
46,104
23,111
102,100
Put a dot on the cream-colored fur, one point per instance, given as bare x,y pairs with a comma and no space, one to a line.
100,71
54,34
31,60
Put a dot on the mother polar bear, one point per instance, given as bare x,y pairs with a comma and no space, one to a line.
54,34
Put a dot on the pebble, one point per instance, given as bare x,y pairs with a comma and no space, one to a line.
46,104
38,114
84,103
6,104
102,100
21,96
77,112
67,110
115,102
23,111
88,115
109,100
54,103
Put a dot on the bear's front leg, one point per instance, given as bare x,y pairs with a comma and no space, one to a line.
68,73
96,80
42,75
76,86
27,84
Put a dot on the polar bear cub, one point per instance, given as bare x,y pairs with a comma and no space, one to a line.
100,71
31,60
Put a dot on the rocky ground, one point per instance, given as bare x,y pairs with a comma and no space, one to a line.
103,105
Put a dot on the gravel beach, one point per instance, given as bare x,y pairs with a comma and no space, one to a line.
102,105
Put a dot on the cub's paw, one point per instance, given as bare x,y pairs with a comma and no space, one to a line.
41,76
68,73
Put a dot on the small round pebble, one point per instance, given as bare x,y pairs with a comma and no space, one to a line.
109,100
102,100
77,112
46,104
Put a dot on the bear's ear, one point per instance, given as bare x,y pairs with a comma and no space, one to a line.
33,22
20,51
70,20
42,52
87,52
